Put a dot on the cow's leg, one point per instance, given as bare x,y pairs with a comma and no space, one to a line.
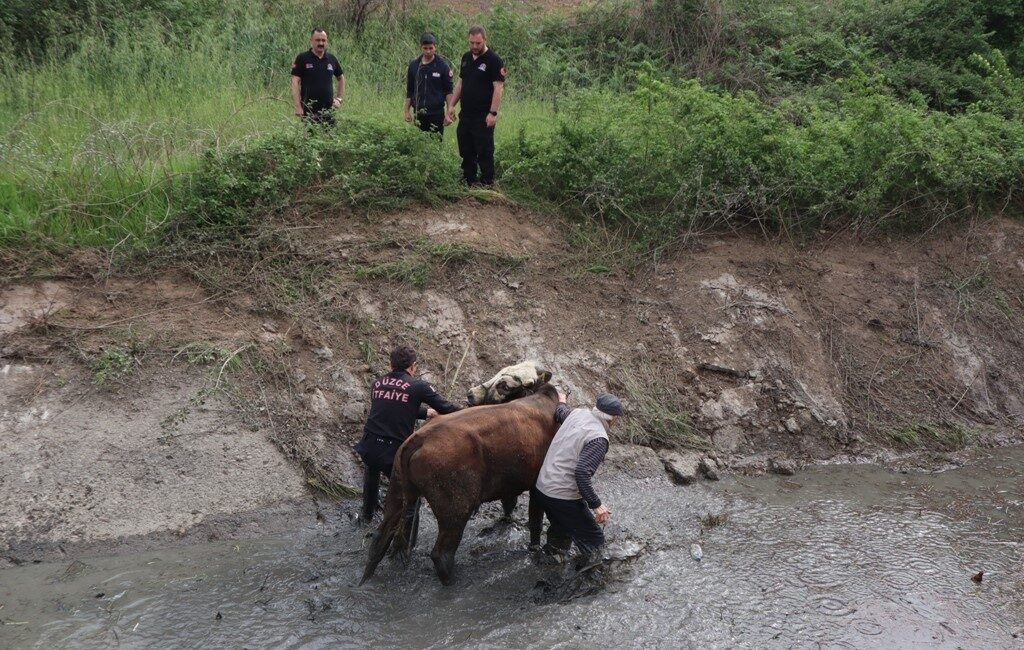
508,504
536,519
449,535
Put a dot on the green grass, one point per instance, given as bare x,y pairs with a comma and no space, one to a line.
407,271
946,436
92,143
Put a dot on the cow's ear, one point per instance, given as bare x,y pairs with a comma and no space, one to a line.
543,375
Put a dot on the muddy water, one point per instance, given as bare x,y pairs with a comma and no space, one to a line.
834,557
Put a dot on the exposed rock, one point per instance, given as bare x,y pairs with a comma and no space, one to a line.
750,465
324,353
792,425
317,404
682,466
709,468
634,461
727,438
782,466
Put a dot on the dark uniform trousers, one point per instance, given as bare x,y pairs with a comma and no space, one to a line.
325,117
571,521
379,459
431,121
476,147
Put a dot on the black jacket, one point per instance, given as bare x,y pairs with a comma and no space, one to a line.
397,400
426,85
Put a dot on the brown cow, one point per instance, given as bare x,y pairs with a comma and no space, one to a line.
459,461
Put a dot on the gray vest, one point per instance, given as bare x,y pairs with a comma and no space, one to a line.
557,477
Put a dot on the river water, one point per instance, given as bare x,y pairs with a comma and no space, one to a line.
842,556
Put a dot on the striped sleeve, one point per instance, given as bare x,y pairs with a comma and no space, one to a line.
591,457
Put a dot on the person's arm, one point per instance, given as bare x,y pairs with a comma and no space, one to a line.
449,92
436,401
456,96
339,94
591,457
410,87
562,411
499,90
297,96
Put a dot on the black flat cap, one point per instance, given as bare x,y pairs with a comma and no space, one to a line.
610,404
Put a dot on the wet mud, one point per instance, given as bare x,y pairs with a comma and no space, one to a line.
851,556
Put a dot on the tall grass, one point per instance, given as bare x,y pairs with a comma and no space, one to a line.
92,141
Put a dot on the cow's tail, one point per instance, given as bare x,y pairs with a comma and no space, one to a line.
401,497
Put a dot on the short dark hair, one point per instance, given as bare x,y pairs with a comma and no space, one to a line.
477,29
318,29
402,357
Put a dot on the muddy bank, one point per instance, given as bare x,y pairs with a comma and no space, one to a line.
147,401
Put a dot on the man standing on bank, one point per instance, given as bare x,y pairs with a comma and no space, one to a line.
312,73
480,86
397,400
564,486
428,88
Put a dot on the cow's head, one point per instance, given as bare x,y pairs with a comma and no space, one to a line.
511,382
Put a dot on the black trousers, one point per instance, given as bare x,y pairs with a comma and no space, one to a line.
378,453
571,521
319,117
476,147
431,122
371,489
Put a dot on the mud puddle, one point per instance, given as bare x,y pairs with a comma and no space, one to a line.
833,557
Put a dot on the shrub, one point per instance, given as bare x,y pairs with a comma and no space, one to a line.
675,155
357,163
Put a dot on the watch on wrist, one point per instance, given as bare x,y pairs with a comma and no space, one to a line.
494,113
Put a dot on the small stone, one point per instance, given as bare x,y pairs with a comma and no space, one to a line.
782,466
270,327
696,552
792,425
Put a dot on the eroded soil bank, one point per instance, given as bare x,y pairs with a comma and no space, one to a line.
196,392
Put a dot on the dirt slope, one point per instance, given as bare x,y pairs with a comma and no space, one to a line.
140,404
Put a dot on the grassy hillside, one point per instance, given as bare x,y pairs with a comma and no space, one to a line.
119,119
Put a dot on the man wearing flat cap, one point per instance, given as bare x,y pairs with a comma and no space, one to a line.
428,88
564,487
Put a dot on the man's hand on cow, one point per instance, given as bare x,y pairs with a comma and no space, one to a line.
431,414
602,514
561,396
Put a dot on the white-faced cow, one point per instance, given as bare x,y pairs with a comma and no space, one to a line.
492,452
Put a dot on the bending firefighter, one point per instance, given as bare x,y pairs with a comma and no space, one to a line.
564,486
397,400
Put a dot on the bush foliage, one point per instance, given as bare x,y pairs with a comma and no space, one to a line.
358,163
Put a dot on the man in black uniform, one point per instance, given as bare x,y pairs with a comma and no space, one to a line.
481,84
312,74
428,88
397,400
